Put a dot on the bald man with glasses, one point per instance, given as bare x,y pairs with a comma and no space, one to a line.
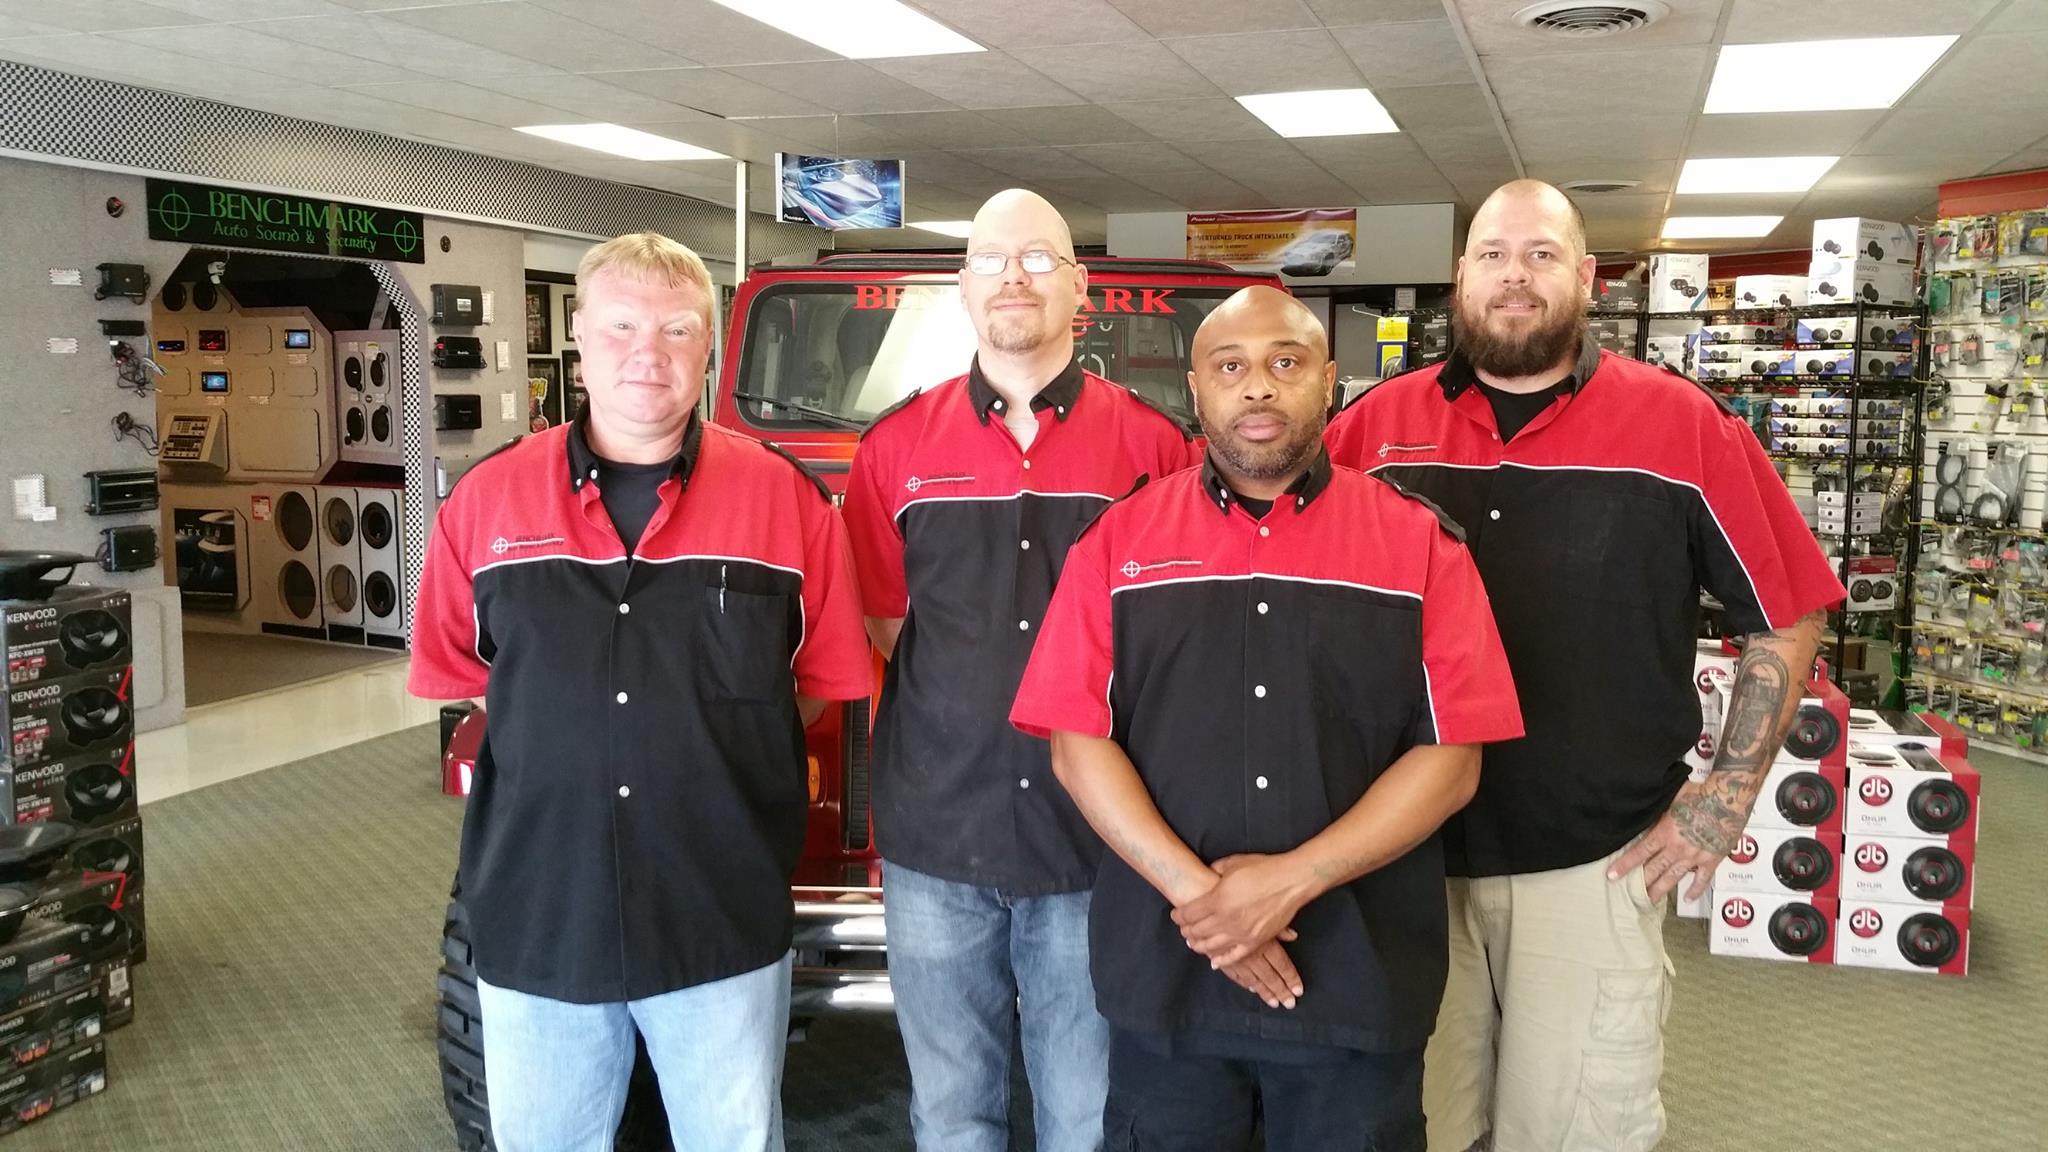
962,503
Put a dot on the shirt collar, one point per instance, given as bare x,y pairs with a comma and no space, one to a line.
1305,489
1059,395
1457,373
584,463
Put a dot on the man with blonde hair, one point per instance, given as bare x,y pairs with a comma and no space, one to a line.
653,608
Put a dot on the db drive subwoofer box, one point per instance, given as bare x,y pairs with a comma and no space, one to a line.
1772,928
1906,790
78,629
1782,862
1907,870
1798,795
84,791
87,713
1904,937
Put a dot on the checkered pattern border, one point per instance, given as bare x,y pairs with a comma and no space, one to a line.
102,122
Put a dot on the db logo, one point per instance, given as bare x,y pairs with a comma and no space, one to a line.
1744,851
1871,857
1737,913
1875,790
1865,922
1709,679
1705,745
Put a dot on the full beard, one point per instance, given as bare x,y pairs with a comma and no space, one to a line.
1537,348
1264,461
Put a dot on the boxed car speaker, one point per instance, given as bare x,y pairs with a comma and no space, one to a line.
1832,281
1840,522
1860,238
1713,669
1772,928
78,629
1678,282
29,1094
1769,292
114,849
83,791
107,906
1861,502
1798,795
1908,790
43,949
1624,293
1873,583
1909,870
51,1025
1742,333
1904,937
117,994
87,713
1926,731
1781,862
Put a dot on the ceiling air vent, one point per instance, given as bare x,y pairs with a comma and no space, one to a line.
1569,18
1596,186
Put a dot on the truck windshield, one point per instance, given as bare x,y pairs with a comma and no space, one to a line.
854,349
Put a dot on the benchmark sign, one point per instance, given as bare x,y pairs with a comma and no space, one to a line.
206,215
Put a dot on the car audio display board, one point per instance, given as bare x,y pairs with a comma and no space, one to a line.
210,215
1293,242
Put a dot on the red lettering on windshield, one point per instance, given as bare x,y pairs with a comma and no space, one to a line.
1153,300
1117,300
867,297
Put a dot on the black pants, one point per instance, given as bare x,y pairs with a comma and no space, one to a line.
1348,1102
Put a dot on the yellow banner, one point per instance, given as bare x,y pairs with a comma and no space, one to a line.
1293,242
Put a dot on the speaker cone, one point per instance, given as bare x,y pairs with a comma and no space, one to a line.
91,637
1806,799
1938,806
94,716
295,521
107,931
380,424
377,371
1802,864
174,296
29,851
297,590
1814,734
96,790
205,295
377,525
107,854
380,595
355,424
1934,873
1928,940
352,373
1797,930
342,590
15,901
339,516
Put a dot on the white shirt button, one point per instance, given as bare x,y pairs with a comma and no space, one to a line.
622,697
624,609
1061,410
1024,544
1261,782
1262,607
1265,531
1027,465
593,473
1494,514
1493,435
1024,783
1259,690
1023,625
998,405
625,791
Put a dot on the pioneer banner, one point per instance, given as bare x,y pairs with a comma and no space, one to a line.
1294,242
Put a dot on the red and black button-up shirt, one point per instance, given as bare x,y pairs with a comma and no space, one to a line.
1595,528
1261,673
639,804
962,534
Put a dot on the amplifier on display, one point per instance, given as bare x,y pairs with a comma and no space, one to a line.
458,352
111,491
458,411
457,305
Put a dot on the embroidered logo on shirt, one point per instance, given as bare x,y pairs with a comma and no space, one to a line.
1132,569
502,545
1386,448
914,483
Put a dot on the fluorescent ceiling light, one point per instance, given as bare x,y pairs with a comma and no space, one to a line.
1330,112
622,141
1753,174
1821,75
954,228
860,29
1719,227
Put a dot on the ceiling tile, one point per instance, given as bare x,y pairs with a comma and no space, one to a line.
467,102
1780,133
1621,206
1907,131
536,33
1405,55
1338,13
1959,81
697,31
352,109
140,64
848,86
978,80
1143,70
1165,18
1193,119
1235,158
2020,18
1485,176
1877,173
1437,106
821,135
15,28
1572,138
96,15
2027,161
1398,189
1650,175
587,96
1491,25
242,11
1129,160
1254,62
946,130
1069,124
1034,164
1599,83
1007,24
950,170
245,48
1114,195
1906,205
710,90
1763,21
1479,144
403,46
1317,189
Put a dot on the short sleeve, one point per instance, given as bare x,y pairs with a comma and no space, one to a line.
1066,683
876,540
834,661
1751,547
1468,689
450,651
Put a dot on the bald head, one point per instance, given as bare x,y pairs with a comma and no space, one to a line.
1022,217
1259,316
1525,205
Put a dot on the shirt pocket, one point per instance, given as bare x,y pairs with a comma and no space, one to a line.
1624,547
1364,659
743,646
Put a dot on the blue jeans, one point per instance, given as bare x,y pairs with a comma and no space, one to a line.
966,964
557,1072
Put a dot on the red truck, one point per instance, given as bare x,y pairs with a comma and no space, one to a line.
812,355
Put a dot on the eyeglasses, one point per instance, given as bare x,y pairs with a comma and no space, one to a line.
1038,262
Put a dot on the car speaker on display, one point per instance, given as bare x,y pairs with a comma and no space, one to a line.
67,716
1797,795
1904,938
1815,732
110,906
48,1025
1803,864
1781,862
69,631
1898,870
44,948
1907,791
115,849
30,852
1765,928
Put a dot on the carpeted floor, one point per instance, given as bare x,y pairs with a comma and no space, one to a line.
295,916
221,667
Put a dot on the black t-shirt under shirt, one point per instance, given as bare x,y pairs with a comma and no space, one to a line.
1512,411
631,493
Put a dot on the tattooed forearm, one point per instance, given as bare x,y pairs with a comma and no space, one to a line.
1761,684
1761,706
1155,867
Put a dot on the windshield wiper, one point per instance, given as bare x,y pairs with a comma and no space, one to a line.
818,414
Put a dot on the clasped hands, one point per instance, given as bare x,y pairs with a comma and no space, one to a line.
1240,919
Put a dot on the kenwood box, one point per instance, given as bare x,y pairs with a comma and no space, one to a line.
78,629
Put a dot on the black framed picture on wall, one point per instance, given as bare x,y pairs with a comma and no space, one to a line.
569,316
540,336
572,384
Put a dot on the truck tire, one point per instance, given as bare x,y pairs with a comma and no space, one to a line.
459,1038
